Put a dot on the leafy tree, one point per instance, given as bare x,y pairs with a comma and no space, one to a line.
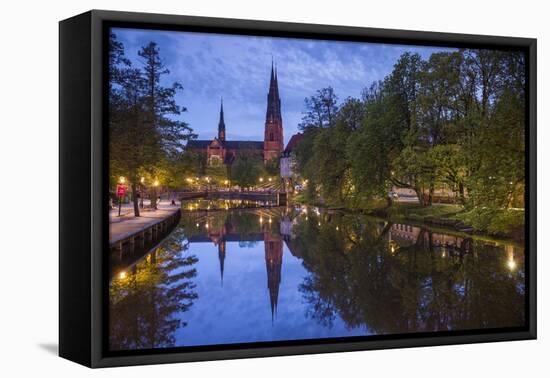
321,109
455,120
247,168
351,113
332,173
218,173
146,138
131,136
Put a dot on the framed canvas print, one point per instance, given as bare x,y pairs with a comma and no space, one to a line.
233,188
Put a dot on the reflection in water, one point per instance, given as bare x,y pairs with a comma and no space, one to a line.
328,274
144,301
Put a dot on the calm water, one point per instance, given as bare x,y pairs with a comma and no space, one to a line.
268,274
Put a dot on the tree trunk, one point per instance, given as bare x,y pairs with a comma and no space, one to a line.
154,199
135,200
431,195
461,193
389,202
420,194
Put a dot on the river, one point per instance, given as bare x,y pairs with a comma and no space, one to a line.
240,272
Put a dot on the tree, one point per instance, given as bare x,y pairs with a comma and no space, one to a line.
376,143
160,106
218,173
131,137
247,168
147,139
321,109
351,113
331,166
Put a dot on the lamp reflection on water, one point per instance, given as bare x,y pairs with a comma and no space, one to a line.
511,263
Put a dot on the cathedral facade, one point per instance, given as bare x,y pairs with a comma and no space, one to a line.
220,150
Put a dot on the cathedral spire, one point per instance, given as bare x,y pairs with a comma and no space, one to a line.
273,100
221,124
273,134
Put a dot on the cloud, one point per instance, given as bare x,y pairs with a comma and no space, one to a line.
237,68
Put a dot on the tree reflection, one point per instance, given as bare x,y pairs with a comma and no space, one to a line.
370,275
378,276
145,303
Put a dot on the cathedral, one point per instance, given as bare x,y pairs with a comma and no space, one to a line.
219,150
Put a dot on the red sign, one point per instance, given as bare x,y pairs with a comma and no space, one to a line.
120,190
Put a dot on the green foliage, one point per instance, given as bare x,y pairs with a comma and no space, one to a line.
321,110
419,212
332,175
495,221
146,139
218,174
272,167
453,122
498,154
247,170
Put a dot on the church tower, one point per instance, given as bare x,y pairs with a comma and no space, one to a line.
273,136
221,125
273,262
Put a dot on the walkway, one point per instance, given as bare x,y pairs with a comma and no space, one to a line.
126,225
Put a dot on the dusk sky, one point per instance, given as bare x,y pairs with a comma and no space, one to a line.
237,68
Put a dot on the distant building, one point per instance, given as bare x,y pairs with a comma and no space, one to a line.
219,150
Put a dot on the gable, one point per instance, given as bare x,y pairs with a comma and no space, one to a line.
215,143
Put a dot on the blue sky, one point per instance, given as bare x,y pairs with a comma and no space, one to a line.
237,68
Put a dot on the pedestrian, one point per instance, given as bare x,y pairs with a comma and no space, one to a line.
173,202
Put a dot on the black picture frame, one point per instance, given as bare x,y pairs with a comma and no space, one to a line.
83,227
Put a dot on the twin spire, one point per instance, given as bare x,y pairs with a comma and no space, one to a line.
273,113
221,124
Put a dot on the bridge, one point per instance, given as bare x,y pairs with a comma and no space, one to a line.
277,197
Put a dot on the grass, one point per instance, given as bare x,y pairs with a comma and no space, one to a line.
499,222
508,223
417,212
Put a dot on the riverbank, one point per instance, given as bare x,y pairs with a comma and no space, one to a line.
505,223
497,223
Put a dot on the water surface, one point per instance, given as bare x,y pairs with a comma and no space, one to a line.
258,274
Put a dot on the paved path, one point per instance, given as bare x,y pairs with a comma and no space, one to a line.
126,225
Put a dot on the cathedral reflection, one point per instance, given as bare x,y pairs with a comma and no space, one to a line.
220,228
